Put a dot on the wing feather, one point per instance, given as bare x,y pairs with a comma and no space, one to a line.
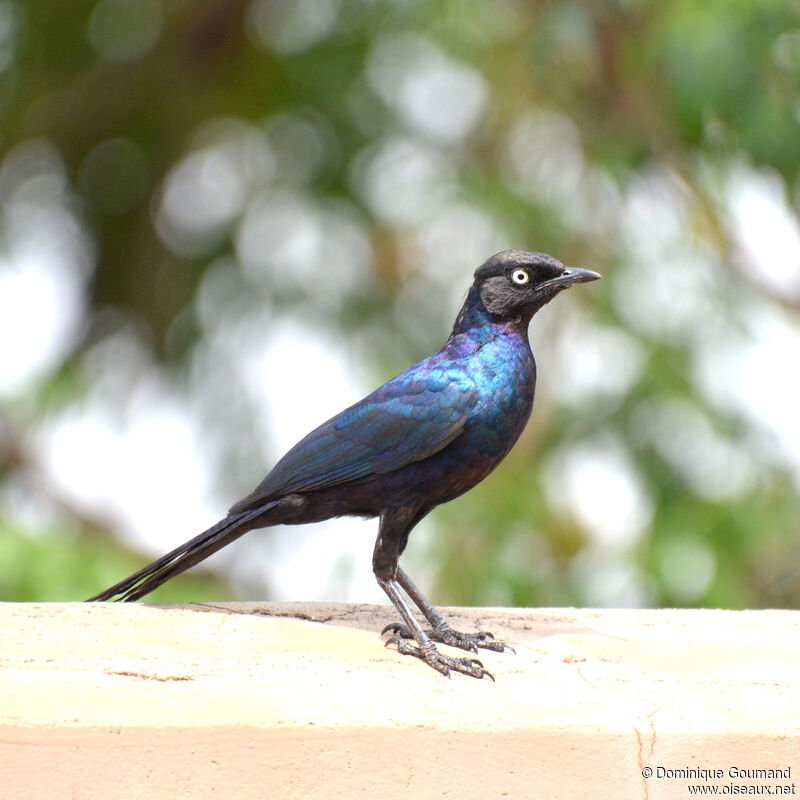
407,419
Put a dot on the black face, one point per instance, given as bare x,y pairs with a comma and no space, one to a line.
516,283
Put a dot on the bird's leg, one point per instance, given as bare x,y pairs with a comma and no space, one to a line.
394,526
425,649
440,631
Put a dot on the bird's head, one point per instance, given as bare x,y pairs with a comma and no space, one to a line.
514,284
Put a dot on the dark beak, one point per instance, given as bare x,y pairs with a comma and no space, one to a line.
572,275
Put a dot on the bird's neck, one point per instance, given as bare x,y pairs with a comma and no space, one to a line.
475,322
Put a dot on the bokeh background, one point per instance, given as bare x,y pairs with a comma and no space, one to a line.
222,221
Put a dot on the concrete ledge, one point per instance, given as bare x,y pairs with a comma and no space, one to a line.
247,700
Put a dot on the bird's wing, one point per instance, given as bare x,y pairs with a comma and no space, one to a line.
407,419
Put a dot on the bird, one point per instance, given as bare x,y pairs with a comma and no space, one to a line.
421,439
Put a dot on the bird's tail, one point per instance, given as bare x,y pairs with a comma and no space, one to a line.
181,558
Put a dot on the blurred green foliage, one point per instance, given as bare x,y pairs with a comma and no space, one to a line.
580,108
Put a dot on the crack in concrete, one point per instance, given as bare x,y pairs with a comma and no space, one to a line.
262,612
645,790
640,755
306,616
144,676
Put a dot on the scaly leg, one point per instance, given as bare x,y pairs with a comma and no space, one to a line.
395,524
425,649
440,631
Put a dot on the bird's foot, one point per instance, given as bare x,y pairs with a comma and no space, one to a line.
440,662
446,635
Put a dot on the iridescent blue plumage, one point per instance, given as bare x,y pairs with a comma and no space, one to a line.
468,403
423,438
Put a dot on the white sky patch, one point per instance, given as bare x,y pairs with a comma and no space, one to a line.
206,191
45,260
588,361
436,95
136,462
324,561
711,465
545,162
655,212
667,287
755,374
545,158
299,377
291,240
40,311
403,181
596,481
765,228
303,143
667,297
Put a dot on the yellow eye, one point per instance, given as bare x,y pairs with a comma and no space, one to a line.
519,276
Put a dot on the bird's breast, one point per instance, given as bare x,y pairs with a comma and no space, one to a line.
505,374
505,381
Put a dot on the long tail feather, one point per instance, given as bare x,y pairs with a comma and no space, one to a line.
181,558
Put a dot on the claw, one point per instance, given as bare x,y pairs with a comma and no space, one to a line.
396,627
452,638
440,662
